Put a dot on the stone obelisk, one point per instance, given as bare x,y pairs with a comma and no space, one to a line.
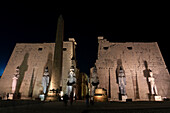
58,55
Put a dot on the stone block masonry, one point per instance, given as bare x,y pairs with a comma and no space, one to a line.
33,58
136,59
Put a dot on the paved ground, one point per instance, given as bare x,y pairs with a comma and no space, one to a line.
81,107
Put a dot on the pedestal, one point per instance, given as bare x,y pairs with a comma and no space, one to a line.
11,95
158,98
42,97
124,97
52,96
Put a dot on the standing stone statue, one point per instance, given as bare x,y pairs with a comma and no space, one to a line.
15,79
71,80
45,80
94,80
152,83
122,81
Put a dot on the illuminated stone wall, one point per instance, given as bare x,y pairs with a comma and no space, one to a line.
29,57
68,61
136,58
32,59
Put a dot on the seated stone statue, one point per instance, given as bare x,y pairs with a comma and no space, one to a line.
94,80
45,80
152,83
122,82
71,80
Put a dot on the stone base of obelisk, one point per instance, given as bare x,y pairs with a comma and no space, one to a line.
124,97
52,97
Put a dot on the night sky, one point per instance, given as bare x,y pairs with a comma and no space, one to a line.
37,22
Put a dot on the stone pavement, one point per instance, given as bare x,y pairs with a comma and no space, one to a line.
81,107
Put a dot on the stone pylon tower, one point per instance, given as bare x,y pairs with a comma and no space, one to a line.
58,54
32,59
136,59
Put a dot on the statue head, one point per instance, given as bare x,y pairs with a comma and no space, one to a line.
46,69
151,73
71,73
71,69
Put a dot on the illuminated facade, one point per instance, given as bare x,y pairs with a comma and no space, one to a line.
136,59
33,58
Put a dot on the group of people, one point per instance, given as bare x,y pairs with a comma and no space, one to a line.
66,98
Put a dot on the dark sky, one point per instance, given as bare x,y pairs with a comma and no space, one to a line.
37,22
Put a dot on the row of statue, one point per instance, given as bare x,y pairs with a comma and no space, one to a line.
71,81
122,82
